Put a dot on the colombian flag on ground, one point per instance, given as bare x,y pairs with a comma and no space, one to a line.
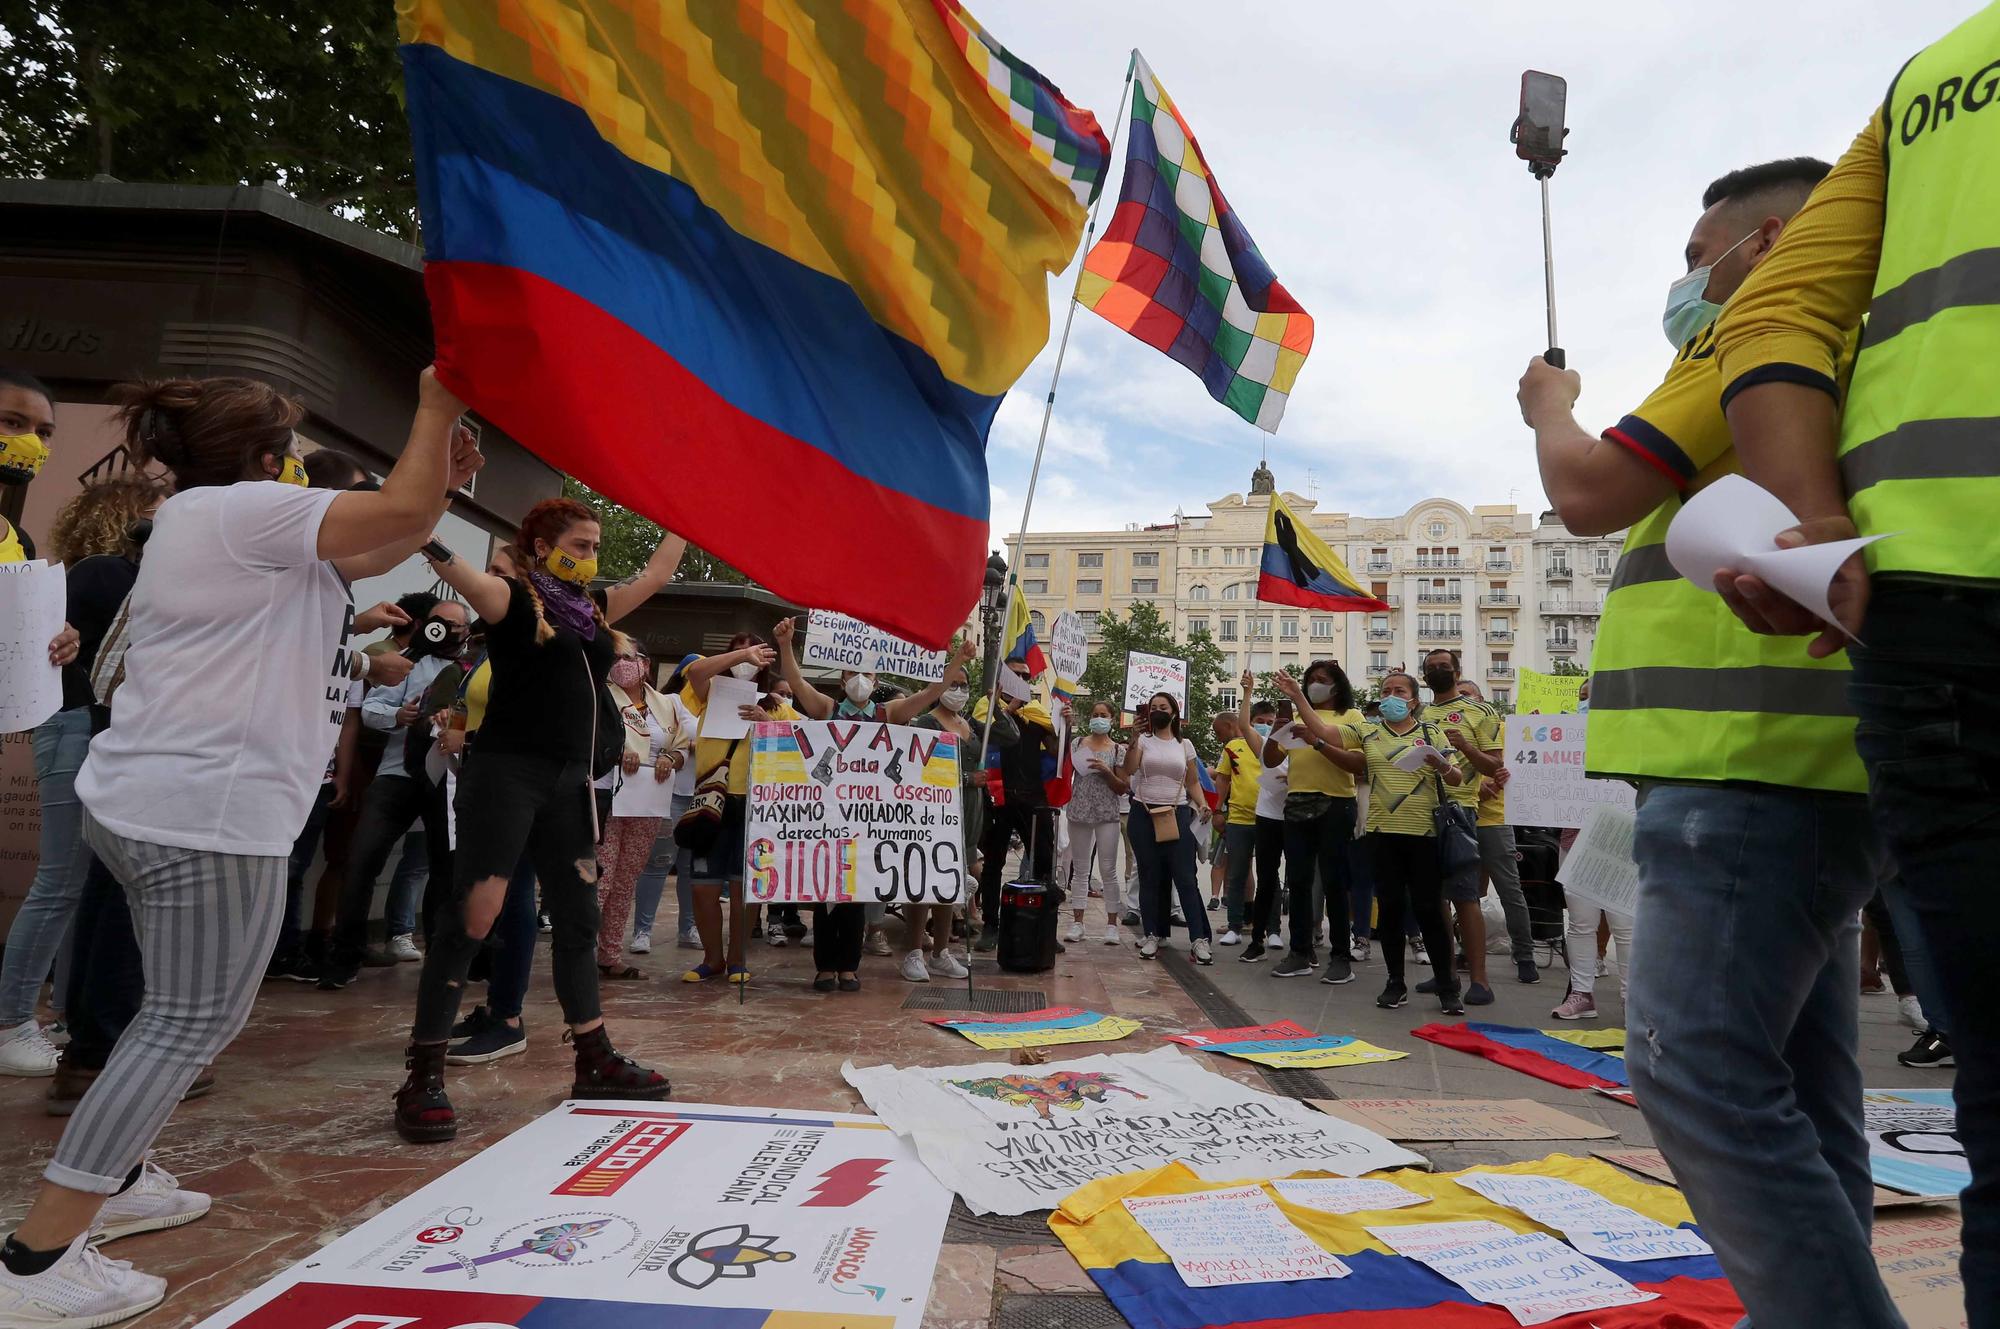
1385,1290
1546,1055
759,270
1299,568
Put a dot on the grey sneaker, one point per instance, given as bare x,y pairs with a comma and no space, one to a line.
1339,969
1202,953
1293,966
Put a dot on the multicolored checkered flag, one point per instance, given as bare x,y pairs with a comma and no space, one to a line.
1177,270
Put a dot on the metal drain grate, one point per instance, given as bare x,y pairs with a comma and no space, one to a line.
1054,1311
966,1227
1218,1006
1001,1001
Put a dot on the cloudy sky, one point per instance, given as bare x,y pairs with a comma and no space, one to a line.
1365,147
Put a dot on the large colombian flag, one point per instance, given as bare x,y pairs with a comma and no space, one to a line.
760,270
1299,568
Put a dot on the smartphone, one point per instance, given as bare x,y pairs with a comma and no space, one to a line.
1538,128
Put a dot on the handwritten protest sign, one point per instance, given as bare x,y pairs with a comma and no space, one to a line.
1545,753
1599,867
1594,1225
1918,1256
31,614
1047,1027
1346,1195
835,641
1462,1119
1238,1235
853,811
1547,694
1147,674
1286,1044
1069,650
1652,1164
1530,1275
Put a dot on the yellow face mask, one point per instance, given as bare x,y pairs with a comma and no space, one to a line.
292,471
21,458
566,567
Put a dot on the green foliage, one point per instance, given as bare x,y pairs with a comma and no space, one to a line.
1567,669
629,540
1144,629
1267,687
304,94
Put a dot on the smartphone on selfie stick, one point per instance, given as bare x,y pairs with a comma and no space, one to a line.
1538,135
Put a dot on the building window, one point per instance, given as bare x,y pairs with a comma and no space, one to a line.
1423,625
1040,587
1437,529
1225,699
1197,592
1456,625
1232,591
1090,560
1038,560
1090,586
1378,659
1502,697
1228,629
1145,585
1288,628
1499,659
1197,625
1604,560
1260,662
1560,633
1146,560
1260,629
1322,627
1041,624
1228,557
1289,660
1087,617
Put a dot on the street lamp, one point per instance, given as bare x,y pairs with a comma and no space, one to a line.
992,605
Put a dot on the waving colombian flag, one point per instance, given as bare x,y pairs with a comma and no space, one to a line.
1299,568
760,270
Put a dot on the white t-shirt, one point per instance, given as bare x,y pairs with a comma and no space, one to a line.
235,679
356,690
1273,783
1162,773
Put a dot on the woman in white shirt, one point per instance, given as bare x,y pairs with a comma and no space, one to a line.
655,750
238,636
1166,789
666,854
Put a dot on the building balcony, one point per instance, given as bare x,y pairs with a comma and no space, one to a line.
1440,634
1381,634
1501,635
1435,597
1500,565
1499,600
1603,573
1435,563
1499,671
1557,572
1393,599
1377,671
1561,646
1383,565
1578,607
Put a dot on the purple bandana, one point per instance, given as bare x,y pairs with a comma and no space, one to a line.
564,605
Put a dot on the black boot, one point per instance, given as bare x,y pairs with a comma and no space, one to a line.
604,1072
423,1114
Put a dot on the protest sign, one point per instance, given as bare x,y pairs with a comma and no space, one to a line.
640,795
1530,1275
1216,1238
1593,1224
31,616
722,714
619,1214
1548,788
1346,1195
1069,651
835,641
1147,674
1599,867
1462,1119
1918,1255
853,811
1047,1027
1011,1140
1547,694
1286,1045
1653,1164
1913,1143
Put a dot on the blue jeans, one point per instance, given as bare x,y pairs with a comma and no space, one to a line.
652,881
60,743
1163,868
399,912
1930,738
1741,1036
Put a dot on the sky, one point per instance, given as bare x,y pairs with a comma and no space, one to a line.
1365,148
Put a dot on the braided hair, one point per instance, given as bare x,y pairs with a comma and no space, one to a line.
547,522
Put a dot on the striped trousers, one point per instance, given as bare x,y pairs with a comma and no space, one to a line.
206,924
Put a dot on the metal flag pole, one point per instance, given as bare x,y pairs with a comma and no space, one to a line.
1048,412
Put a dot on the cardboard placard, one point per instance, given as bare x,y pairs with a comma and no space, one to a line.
1462,1119
1917,1255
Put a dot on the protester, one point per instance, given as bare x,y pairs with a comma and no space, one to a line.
949,716
782,924
1236,785
666,855
1319,819
1019,800
1754,852
1168,811
1499,857
1094,818
655,749
1473,728
190,797
1264,719
27,423
526,788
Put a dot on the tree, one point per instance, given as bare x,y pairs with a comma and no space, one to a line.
1567,669
628,540
1143,629
1267,686
304,94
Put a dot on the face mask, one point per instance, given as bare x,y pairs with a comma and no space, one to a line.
1263,730
627,673
1440,680
21,458
1161,719
1583,707
859,687
292,471
1319,693
567,567
1100,724
1688,311
1395,710
954,699
743,669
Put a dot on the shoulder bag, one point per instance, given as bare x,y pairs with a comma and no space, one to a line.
1452,823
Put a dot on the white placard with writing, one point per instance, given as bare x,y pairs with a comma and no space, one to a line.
1346,1195
1545,754
1218,1238
835,641
722,716
31,616
1530,1275
1599,866
1147,674
1591,1223
1069,648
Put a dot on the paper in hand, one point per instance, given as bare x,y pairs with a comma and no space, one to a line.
1289,737
1013,686
1734,524
727,696
1416,758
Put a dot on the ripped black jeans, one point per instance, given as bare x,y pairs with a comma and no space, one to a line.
509,804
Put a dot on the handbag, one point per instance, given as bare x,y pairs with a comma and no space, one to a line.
1453,825
700,826
1166,822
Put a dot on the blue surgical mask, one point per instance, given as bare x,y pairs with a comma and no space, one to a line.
1395,710
1100,724
1263,730
1688,308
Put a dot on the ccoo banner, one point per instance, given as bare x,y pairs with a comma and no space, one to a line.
854,812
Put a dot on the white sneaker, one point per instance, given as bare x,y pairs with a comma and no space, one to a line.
1111,937
775,935
914,968
82,1290
1358,951
404,947
57,1033
1229,938
154,1201
642,943
1202,952
946,965
1418,952
1275,942
1075,931
1149,948
1913,1012
878,943
26,1050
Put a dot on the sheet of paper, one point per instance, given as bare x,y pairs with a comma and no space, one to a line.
1591,1223
642,796
1599,866
1346,1195
1416,758
1014,687
1531,1275
1733,524
1290,736
1462,1119
31,616
727,695
1238,1235
451,808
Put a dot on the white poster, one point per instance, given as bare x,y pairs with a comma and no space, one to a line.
1545,754
1012,1140
636,1215
1600,866
1069,649
845,811
1530,1275
31,616
1598,1227
1239,1235
641,795
1913,1143
835,641
1147,674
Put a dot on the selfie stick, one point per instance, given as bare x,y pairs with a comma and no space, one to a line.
1554,355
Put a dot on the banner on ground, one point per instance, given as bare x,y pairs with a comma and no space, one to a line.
845,812
1069,652
1913,1143
1012,1140
1548,788
1049,1027
628,1215
836,641
1547,694
1286,1045
1146,674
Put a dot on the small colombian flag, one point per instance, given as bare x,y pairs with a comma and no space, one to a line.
1299,568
